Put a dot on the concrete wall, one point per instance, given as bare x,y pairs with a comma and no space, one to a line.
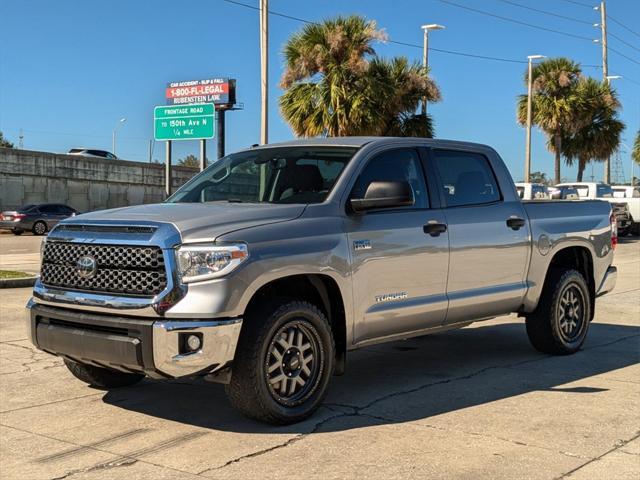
84,183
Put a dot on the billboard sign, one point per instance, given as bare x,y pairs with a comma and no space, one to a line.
184,122
219,91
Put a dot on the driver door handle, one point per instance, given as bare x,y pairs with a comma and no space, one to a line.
515,223
434,228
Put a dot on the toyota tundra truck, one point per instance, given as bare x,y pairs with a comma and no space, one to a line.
265,269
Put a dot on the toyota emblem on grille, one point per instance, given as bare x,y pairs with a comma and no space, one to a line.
86,267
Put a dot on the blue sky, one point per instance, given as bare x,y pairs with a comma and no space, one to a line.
69,69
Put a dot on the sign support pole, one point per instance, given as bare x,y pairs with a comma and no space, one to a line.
220,132
203,154
167,169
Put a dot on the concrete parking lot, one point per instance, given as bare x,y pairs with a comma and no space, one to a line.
19,252
478,403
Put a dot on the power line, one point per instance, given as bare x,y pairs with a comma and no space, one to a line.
579,3
396,42
513,20
623,55
545,12
623,25
277,14
621,40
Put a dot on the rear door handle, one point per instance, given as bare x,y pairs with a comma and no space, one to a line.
515,223
434,228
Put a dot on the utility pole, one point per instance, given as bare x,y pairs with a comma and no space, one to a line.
527,153
264,70
603,28
425,54
605,73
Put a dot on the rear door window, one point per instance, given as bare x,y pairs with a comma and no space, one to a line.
467,178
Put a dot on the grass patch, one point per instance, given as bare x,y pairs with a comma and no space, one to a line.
4,274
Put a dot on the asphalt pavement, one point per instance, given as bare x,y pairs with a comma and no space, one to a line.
477,403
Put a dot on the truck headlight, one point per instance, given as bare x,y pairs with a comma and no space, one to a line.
203,262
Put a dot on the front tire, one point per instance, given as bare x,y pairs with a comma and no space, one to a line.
560,323
283,363
39,228
102,377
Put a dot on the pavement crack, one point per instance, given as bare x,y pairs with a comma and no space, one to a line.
620,444
476,434
289,442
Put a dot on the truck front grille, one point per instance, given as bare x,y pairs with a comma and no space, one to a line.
128,270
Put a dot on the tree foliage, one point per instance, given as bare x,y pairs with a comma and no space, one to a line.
336,85
4,142
555,103
599,137
189,161
635,153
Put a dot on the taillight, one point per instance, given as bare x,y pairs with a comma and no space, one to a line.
18,216
614,231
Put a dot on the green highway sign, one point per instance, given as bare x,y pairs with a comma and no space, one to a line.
184,122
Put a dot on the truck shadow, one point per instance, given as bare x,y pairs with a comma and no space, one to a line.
410,380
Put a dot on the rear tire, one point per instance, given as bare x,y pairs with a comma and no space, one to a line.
39,228
15,231
283,363
102,377
560,323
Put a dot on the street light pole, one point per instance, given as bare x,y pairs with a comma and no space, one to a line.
113,137
425,54
607,80
527,155
264,69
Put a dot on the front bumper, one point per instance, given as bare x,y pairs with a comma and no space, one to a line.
152,347
609,281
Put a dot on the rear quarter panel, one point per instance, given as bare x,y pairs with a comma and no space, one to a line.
563,224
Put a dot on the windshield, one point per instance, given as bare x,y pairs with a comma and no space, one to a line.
268,175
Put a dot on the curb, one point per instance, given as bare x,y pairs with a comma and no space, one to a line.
18,282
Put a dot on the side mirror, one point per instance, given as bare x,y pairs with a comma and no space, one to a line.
384,195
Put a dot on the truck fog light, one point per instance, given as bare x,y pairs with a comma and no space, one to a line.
193,343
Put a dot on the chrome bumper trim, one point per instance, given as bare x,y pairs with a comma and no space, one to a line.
609,281
219,341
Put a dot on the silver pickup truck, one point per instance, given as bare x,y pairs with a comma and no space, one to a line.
265,269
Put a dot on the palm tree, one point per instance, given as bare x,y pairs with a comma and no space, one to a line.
337,86
635,153
555,102
396,88
599,138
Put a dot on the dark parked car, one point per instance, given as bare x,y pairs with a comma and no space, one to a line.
38,218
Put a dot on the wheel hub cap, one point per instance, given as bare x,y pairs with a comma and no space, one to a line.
292,363
571,312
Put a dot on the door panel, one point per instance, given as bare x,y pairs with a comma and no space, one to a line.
489,237
399,283
488,261
399,270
